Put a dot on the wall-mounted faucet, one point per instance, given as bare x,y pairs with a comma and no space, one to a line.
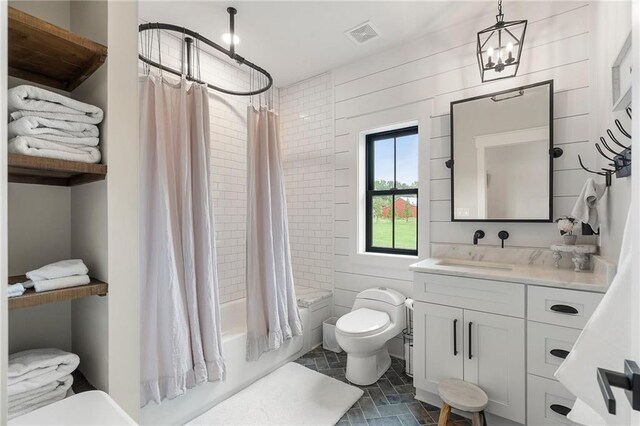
478,235
503,235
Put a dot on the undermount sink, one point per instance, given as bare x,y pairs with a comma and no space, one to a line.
475,265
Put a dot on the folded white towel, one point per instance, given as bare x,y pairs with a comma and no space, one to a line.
34,368
70,141
36,147
63,268
604,342
26,402
586,208
72,118
15,290
27,284
33,126
62,282
31,98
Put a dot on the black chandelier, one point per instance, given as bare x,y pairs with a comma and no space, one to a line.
500,47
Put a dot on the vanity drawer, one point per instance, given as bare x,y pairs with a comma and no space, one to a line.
547,400
568,308
470,293
547,345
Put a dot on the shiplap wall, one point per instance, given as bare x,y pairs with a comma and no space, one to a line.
422,78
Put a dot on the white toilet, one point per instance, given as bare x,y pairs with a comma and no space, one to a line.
377,316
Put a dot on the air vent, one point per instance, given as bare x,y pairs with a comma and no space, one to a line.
362,33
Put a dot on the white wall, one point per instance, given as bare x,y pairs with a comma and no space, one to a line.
306,123
228,160
418,80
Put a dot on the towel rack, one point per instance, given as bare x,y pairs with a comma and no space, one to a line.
620,160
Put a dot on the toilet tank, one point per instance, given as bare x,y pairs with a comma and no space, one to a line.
382,299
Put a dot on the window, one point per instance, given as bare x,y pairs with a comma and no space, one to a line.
392,192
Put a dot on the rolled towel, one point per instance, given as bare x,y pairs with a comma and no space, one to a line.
31,98
34,368
15,290
36,147
63,282
34,126
26,402
63,268
73,118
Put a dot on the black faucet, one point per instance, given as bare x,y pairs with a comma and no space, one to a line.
503,235
479,234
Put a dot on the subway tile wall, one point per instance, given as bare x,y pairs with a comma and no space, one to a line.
306,123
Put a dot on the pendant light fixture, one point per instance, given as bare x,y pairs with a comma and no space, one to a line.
500,47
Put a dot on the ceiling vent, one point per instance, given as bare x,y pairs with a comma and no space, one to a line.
362,33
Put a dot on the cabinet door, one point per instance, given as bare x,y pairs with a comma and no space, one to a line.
437,355
494,360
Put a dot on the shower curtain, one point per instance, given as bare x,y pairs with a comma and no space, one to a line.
179,314
272,310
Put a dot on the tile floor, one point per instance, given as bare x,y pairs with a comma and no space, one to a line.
388,402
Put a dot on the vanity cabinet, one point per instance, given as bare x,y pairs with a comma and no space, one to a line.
458,341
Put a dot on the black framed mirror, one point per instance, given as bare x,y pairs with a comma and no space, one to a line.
502,156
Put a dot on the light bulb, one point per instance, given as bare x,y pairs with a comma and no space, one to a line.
509,47
226,37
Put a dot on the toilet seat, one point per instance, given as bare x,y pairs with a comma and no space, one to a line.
362,322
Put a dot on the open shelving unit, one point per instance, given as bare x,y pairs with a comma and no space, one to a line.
31,298
50,171
47,54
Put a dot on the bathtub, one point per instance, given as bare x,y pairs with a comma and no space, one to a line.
240,372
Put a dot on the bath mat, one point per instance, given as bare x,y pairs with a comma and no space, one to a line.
291,395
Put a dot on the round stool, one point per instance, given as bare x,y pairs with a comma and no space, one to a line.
463,396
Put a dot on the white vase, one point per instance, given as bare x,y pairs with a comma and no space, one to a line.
570,240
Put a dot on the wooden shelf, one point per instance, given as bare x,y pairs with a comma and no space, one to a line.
31,298
49,171
47,54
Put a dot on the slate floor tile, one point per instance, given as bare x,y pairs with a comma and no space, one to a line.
408,420
420,413
393,409
356,417
368,408
385,421
377,396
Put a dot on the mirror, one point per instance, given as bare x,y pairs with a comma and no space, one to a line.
501,147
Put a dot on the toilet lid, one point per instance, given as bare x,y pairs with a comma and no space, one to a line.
362,322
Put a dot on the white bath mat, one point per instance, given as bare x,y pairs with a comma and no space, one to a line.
291,395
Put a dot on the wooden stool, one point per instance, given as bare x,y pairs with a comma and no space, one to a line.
463,396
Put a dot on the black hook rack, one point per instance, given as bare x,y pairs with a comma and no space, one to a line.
620,161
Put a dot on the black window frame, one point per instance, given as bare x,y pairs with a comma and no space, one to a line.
371,191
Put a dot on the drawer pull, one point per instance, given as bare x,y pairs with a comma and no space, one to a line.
564,309
560,353
470,330
455,337
560,409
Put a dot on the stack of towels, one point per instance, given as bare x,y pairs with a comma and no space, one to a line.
47,124
63,274
38,377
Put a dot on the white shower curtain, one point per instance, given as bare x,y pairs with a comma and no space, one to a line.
272,310
179,314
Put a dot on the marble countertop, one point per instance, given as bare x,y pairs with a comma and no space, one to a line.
307,296
596,281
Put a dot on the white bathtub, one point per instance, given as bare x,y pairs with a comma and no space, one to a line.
240,372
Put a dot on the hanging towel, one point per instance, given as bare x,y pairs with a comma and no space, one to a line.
586,208
34,126
35,147
603,343
31,98
72,118
34,368
63,282
32,400
15,290
63,268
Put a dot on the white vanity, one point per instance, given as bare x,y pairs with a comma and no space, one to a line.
503,319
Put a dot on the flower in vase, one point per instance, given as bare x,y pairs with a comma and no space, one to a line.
567,225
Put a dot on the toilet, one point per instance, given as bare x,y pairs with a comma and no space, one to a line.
377,316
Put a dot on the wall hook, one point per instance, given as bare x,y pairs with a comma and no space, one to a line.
622,129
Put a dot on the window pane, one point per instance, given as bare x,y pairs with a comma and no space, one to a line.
383,164
406,207
407,162
381,226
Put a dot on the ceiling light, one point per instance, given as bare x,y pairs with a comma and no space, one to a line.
226,37
499,48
